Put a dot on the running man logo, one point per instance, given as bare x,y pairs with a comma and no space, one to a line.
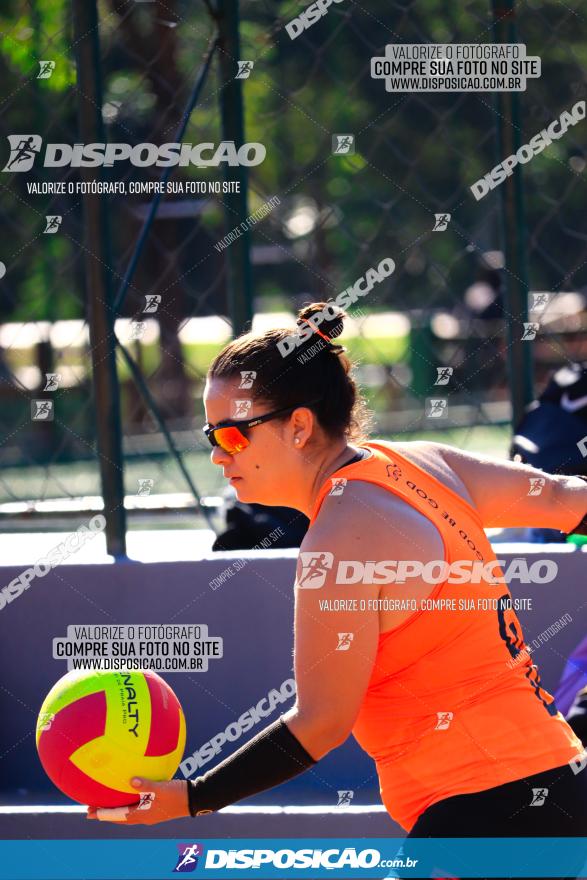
23,151
152,302
444,374
444,719
536,485
46,69
187,860
338,484
539,301
145,486
137,329
48,719
42,410
247,378
344,641
441,222
539,795
343,144
436,407
530,330
345,797
53,222
146,800
241,408
244,69
314,567
52,381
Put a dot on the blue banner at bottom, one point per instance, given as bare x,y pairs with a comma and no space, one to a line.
252,858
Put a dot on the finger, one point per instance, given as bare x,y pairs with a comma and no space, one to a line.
144,784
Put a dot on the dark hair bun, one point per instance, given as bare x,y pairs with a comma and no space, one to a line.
326,316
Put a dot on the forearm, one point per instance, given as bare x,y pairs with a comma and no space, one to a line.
570,502
271,758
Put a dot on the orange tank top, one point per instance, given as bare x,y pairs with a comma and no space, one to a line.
454,704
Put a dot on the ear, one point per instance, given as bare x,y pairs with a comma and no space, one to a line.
302,424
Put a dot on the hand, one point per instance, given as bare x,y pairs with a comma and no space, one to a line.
160,801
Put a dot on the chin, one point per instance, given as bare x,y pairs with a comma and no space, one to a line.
243,494
248,496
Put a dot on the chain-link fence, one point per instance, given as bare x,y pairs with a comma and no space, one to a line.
353,174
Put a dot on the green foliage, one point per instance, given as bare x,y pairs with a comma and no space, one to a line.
33,32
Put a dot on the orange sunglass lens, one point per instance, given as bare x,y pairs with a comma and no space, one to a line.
231,439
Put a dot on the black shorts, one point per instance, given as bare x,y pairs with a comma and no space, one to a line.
559,810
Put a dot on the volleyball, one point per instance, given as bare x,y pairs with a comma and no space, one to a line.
96,730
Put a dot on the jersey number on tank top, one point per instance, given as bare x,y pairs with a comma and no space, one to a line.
509,630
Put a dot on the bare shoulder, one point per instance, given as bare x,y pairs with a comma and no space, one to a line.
438,459
367,516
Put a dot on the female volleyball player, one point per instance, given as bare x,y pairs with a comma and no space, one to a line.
435,681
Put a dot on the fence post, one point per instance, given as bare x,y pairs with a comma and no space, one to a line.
97,261
238,259
513,226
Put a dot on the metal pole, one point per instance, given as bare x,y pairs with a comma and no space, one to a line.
129,274
238,261
513,225
98,281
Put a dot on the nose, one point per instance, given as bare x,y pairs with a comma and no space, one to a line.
219,456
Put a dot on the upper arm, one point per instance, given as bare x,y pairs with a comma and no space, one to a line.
335,650
501,491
